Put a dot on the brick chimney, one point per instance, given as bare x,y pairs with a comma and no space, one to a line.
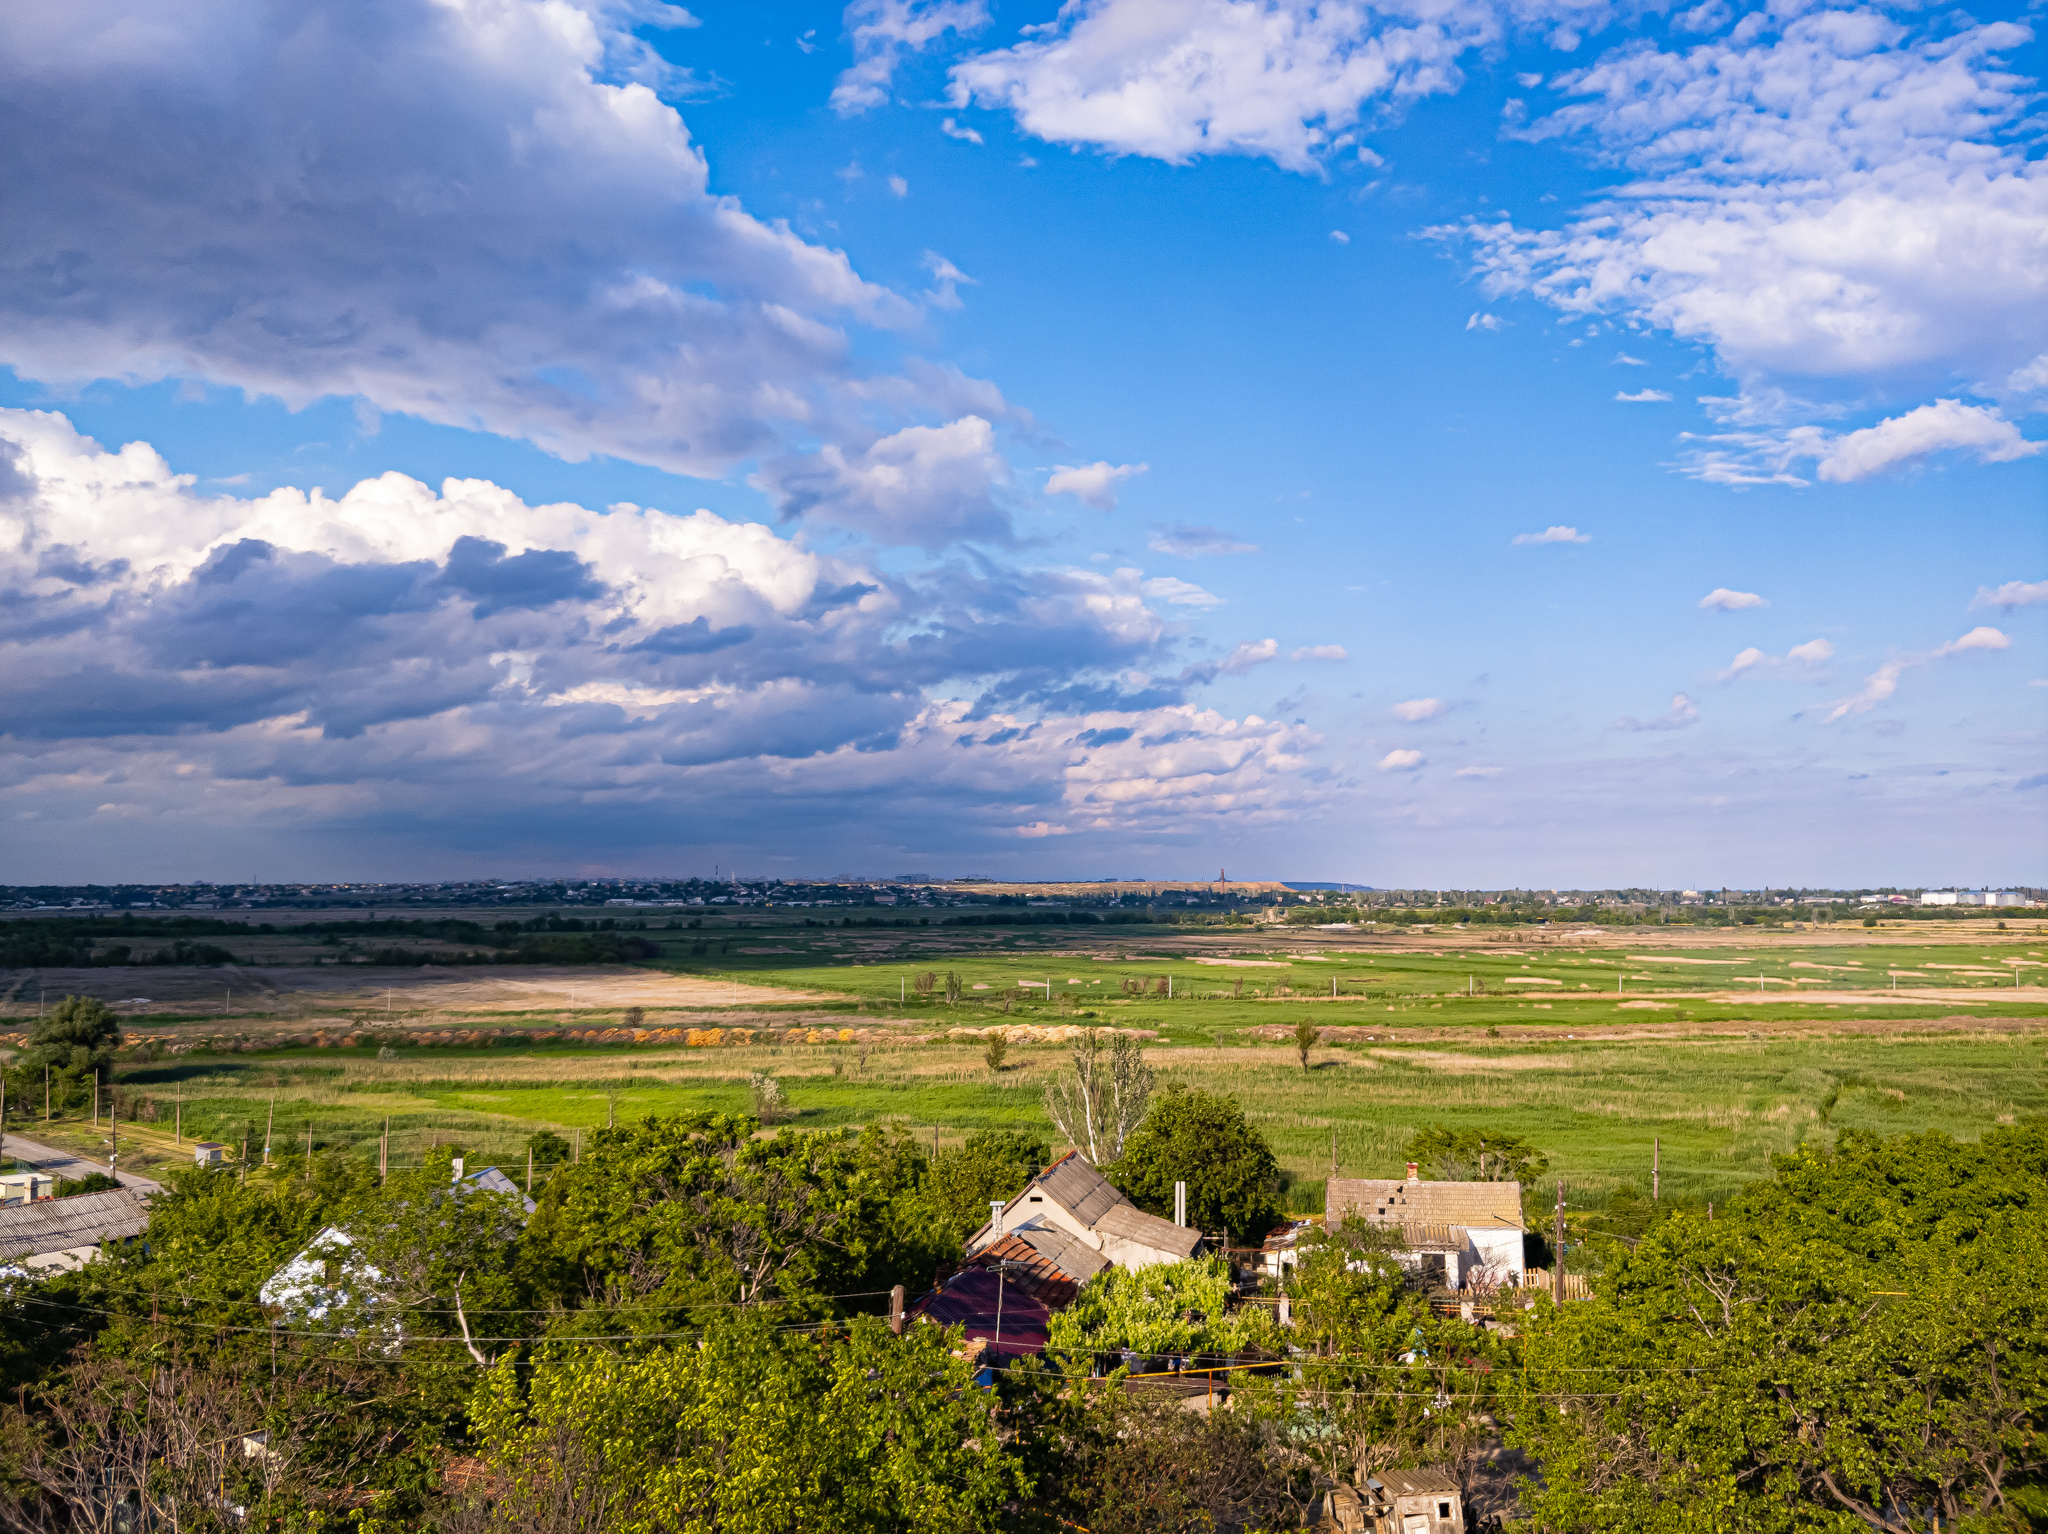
1414,1172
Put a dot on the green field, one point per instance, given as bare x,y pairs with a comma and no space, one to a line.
1589,1047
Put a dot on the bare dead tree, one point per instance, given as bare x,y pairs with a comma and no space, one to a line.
1103,1098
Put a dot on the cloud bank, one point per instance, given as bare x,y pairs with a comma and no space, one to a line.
437,666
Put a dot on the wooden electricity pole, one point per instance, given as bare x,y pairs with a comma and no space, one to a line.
269,1124
1656,1168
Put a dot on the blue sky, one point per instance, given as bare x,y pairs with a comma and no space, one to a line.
1465,443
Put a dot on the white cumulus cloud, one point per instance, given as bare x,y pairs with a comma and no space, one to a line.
1166,588
1643,397
1402,761
1416,709
2012,594
1799,659
1477,772
1554,535
1320,652
1483,322
883,31
1721,599
1884,681
1283,79
1946,424
1092,484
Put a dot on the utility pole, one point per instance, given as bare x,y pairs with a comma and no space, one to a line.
1333,1153
529,1171
245,1158
896,1310
1656,1158
1557,1251
46,1094
268,1125
95,1099
384,1152
114,1128
309,1153
181,1119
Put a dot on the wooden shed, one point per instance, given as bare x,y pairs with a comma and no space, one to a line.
1421,1501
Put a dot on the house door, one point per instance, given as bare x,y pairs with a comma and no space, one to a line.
1415,1523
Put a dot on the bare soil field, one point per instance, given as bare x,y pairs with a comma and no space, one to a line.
357,990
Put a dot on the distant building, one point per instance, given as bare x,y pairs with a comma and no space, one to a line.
64,1234
1070,1197
26,1187
209,1153
1457,1234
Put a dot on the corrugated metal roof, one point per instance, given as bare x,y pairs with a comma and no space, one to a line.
1393,1201
1127,1222
62,1224
1003,1314
1077,1187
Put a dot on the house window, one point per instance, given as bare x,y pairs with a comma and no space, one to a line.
1443,1509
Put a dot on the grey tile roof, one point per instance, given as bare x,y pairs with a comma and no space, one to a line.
1125,1222
62,1224
1393,1201
1078,1188
1069,1253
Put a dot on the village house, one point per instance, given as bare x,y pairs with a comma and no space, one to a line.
64,1234
329,1278
1454,1235
1103,1228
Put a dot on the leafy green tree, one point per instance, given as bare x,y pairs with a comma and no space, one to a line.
1164,1307
1306,1035
1858,1344
548,1149
1380,1380
1205,1141
674,1218
1476,1155
72,1040
993,1164
752,1431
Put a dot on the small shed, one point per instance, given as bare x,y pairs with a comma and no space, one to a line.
1420,1501
209,1153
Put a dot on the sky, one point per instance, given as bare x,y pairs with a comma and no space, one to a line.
1449,443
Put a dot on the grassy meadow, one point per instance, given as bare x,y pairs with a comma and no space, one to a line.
1728,1047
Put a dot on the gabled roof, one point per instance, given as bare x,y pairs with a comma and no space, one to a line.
66,1224
1127,1222
1076,1187
1055,1250
1392,1201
